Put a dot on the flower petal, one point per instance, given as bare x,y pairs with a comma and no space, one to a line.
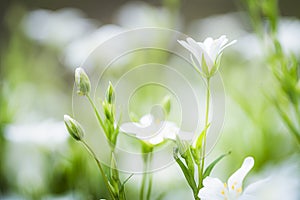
156,140
235,181
227,45
146,120
130,127
201,49
169,130
188,47
256,187
213,189
197,50
216,47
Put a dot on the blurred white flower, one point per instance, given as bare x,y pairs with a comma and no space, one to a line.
283,181
154,131
230,24
139,14
249,47
79,50
288,35
207,53
214,189
56,27
46,133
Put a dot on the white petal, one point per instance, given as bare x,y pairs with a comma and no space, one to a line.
236,179
255,187
201,49
189,47
216,47
197,52
131,128
208,42
227,45
156,140
146,120
208,60
212,189
247,197
169,130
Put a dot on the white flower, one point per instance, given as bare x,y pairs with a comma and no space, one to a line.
84,49
208,53
57,28
154,131
47,133
214,189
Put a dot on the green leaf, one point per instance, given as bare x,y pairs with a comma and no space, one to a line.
123,184
212,165
189,161
186,173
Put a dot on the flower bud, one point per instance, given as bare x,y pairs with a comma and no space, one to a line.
110,94
107,109
82,82
73,127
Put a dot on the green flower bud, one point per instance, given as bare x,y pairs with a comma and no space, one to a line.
107,109
73,127
82,82
110,94
166,103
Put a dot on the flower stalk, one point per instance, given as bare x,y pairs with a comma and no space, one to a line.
108,125
207,56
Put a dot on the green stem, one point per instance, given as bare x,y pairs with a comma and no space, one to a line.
99,166
143,181
150,178
201,168
145,178
142,187
199,176
96,112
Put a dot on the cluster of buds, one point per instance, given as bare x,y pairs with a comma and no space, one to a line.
108,106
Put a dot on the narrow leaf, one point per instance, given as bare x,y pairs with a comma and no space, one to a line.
187,175
212,165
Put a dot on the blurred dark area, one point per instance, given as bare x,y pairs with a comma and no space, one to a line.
102,10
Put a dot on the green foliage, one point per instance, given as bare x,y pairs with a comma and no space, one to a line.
284,66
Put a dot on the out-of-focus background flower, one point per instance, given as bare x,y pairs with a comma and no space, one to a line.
42,42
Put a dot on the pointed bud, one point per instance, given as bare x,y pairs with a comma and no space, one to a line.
107,109
73,127
110,94
82,82
166,103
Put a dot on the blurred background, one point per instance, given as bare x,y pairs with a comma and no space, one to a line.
42,42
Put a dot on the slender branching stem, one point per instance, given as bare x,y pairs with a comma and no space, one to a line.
96,112
106,181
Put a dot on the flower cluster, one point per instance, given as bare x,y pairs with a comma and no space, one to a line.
153,131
